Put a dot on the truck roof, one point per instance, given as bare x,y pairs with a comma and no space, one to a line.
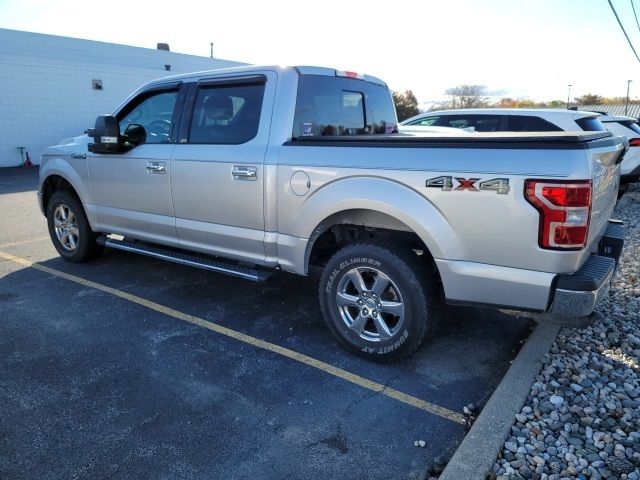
298,69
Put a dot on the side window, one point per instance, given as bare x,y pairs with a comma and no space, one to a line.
523,123
487,123
154,111
457,122
425,122
226,114
476,123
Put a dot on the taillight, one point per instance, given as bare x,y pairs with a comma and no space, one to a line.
634,142
565,210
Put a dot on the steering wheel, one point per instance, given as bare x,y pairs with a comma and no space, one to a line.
159,128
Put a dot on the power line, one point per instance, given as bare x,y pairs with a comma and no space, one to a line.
633,7
623,30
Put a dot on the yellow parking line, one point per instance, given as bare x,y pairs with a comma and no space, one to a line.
256,342
31,240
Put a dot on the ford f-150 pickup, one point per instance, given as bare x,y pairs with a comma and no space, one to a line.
244,170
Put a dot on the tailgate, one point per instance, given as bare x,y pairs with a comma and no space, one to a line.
605,174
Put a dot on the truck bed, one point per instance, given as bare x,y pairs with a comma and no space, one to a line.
528,140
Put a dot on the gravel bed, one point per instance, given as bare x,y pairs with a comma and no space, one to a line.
582,417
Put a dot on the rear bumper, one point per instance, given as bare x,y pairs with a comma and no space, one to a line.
577,294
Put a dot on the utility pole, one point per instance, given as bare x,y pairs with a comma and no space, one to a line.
568,96
211,44
626,105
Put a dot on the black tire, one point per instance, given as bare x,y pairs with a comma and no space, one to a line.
74,248
409,285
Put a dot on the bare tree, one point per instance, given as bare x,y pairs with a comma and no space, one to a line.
590,99
468,96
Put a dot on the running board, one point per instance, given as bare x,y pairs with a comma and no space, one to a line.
185,259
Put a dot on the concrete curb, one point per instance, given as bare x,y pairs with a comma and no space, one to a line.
478,451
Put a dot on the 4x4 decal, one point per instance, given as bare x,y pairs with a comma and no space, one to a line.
498,185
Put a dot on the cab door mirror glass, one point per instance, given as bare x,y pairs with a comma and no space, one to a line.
134,135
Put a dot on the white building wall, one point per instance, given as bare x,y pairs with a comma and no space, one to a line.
46,93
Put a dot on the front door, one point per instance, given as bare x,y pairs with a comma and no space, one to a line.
218,168
132,190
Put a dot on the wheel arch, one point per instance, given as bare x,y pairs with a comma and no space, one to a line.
376,205
56,174
349,226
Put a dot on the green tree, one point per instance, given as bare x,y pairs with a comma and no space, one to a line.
406,104
468,96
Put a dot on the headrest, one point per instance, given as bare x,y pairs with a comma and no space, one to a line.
218,107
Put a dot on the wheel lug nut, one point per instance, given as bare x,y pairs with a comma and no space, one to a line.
365,311
374,313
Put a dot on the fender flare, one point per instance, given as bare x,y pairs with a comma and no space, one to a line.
60,167
381,195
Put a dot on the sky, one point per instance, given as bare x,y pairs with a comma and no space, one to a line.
517,48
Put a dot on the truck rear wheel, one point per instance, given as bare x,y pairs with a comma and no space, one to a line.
375,299
69,228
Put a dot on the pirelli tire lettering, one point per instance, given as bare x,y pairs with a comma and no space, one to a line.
446,183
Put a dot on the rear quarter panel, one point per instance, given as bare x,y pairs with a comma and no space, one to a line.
465,225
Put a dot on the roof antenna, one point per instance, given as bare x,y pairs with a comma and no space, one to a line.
211,43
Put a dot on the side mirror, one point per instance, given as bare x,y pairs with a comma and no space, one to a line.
134,135
106,135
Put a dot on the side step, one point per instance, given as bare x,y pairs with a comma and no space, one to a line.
185,259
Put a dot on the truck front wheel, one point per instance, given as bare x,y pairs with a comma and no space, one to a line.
375,299
69,228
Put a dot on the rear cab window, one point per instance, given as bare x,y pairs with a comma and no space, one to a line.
339,106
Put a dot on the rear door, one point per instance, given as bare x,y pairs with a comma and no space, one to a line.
218,166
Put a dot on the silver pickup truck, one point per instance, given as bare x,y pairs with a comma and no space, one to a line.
244,170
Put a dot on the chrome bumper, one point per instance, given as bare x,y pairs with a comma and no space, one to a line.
576,295
575,303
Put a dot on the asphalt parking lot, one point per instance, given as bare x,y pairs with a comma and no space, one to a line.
128,367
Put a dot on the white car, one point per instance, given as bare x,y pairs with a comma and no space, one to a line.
509,120
626,127
538,120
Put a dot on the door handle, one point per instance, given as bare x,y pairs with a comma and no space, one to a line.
244,173
156,167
